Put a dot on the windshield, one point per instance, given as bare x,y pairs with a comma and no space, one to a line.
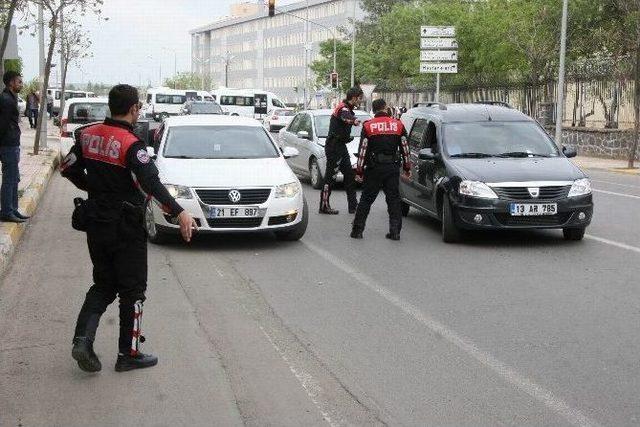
205,108
502,139
88,113
219,142
322,125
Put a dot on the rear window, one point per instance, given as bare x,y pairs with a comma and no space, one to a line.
285,113
219,142
205,108
171,99
88,113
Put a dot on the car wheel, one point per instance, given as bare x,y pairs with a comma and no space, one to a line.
405,209
575,234
154,235
298,231
450,231
272,129
315,175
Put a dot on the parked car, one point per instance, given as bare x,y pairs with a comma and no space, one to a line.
483,167
307,133
230,175
279,118
78,112
201,107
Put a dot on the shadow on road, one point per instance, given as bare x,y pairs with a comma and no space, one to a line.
232,242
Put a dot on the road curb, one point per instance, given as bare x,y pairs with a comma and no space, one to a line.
10,233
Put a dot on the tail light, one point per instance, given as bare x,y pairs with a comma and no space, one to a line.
63,129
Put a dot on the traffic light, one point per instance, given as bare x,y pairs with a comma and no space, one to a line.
272,8
334,80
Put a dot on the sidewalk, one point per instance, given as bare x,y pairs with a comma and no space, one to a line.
35,171
610,165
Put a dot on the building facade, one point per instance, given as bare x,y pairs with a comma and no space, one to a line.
268,53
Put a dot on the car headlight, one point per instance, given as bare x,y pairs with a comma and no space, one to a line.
287,190
477,189
580,187
179,191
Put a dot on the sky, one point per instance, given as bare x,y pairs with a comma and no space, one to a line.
137,42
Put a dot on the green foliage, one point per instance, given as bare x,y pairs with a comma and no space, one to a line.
13,65
31,86
188,80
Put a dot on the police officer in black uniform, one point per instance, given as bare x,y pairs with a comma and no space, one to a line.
338,158
112,165
383,148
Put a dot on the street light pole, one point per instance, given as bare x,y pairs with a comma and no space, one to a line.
561,76
43,89
353,46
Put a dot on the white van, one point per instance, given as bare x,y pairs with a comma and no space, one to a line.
56,94
164,102
241,102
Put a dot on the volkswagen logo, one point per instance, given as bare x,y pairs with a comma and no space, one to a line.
534,192
234,196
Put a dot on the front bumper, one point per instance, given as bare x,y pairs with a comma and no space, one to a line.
495,214
276,214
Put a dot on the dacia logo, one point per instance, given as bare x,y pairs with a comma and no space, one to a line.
234,196
534,192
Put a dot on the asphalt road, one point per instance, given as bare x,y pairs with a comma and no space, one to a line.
517,329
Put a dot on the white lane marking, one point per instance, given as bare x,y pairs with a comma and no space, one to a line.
308,383
539,393
616,184
613,243
631,196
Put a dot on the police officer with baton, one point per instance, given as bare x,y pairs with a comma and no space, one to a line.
112,165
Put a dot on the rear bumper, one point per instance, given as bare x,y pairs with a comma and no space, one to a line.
479,214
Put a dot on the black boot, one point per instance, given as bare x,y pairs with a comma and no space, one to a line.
83,353
325,207
393,235
356,232
140,361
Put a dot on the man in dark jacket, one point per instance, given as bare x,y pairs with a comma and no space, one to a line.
10,148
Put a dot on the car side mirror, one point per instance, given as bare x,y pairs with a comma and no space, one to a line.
570,152
427,154
303,134
289,152
152,152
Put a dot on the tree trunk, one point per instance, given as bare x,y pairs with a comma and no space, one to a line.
63,89
636,137
7,29
45,85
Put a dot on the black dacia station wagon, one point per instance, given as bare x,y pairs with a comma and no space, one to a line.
488,166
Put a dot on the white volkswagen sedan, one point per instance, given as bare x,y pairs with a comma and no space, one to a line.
230,175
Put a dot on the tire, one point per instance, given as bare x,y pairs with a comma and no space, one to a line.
405,209
272,129
315,175
450,231
154,235
298,231
574,234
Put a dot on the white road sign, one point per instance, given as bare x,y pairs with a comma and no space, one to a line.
426,31
439,55
437,68
428,43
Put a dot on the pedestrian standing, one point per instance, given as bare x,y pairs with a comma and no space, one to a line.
10,148
49,105
338,158
112,164
383,148
32,109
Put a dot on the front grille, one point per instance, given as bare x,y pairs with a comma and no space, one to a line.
522,193
255,196
234,222
281,220
532,221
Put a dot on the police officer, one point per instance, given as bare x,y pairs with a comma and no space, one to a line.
112,165
382,144
338,158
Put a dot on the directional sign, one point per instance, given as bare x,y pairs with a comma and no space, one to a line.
438,68
439,55
438,43
426,31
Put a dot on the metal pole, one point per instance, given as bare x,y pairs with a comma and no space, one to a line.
43,90
561,76
226,72
353,46
62,60
438,87
306,59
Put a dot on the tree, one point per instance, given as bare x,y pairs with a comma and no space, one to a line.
74,45
189,80
53,10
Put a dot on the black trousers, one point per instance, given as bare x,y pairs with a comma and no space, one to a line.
119,269
338,160
386,178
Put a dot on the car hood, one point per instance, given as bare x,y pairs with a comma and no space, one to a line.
517,170
226,173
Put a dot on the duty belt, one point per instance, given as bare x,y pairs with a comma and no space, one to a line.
382,158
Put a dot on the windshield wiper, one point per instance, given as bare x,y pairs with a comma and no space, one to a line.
522,154
472,155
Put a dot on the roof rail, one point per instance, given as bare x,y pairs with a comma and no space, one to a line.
495,103
430,104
